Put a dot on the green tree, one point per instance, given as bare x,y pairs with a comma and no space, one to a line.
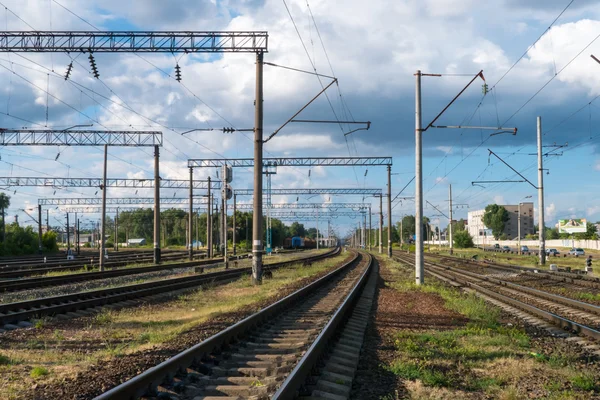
297,229
462,239
4,204
495,218
50,242
552,233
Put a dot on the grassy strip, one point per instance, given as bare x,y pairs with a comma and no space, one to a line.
483,356
63,352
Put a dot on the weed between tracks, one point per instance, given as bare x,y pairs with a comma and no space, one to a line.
84,342
484,357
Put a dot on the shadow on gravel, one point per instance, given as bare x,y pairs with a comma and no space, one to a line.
373,380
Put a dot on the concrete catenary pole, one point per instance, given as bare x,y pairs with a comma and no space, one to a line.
389,209
225,255
40,228
450,223
209,224
380,223
370,227
257,233
190,216
233,223
68,238
418,183
541,233
519,228
116,231
317,229
156,206
103,227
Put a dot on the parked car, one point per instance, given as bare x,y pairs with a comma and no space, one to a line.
577,252
506,249
552,252
497,246
524,249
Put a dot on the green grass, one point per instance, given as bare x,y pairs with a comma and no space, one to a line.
5,360
38,372
585,382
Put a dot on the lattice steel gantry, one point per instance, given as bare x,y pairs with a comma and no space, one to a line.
157,42
10,181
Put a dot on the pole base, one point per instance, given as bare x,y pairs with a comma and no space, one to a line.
156,256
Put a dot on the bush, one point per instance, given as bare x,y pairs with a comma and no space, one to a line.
462,240
109,244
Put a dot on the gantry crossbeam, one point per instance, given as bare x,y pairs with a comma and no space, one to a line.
26,137
298,192
292,161
120,200
134,42
314,215
97,183
313,206
111,210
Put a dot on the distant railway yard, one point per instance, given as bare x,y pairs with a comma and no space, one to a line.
476,329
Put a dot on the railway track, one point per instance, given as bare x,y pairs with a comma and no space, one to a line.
566,313
39,282
558,276
14,315
6,274
273,352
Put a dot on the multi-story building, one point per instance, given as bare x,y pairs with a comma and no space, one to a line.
477,228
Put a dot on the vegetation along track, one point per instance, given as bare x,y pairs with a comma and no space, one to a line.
569,314
252,358
16,314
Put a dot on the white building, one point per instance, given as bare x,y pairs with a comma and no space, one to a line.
475,224
477,228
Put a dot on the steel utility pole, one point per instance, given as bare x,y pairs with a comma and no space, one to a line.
233,223
190,213
78,236
156,207
103,228
450,224
389,207
541,233
419,268
225,255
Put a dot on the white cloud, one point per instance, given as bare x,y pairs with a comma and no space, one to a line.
550,212
499,200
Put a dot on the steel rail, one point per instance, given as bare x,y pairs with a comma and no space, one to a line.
315,352
150,379
12,313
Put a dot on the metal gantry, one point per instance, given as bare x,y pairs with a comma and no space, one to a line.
134,42
14,181
49,137
110,210
76,201
302,192
313,206
292,162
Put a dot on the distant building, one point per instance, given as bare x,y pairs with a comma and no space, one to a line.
477,228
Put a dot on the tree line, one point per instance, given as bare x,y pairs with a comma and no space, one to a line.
18,241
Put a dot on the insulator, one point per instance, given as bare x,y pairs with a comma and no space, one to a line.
69,68
177,73
93,66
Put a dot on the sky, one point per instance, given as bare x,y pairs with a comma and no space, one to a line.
535,58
